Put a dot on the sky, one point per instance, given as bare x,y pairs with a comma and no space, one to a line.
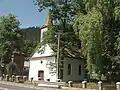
25,10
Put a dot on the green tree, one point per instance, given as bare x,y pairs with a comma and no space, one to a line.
61,14
31,38
97,28
10,37
31,33
29,47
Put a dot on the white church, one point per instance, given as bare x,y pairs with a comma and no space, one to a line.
43,65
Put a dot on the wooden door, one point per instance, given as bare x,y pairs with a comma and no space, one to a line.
41,75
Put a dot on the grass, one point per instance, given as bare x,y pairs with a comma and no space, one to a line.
110,87
19,81
93,85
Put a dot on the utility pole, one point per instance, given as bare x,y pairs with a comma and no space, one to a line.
58,54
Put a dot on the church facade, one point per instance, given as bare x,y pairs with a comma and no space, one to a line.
44,65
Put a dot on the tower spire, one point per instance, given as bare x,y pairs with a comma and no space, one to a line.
47,20
45,28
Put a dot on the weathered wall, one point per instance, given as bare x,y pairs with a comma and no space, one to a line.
74,70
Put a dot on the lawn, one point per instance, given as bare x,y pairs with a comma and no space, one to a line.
107,86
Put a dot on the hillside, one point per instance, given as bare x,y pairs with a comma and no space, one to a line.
31,33
31,38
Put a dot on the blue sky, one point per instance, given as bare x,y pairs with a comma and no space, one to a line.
25,10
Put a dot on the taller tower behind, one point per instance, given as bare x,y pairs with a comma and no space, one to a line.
44,28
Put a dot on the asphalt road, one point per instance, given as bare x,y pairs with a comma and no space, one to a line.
11,87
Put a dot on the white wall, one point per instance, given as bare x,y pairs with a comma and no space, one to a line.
35,66
42,31
75,70
26,63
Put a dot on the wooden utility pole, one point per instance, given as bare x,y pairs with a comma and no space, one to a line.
58,54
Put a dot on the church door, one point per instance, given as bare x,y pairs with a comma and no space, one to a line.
41,75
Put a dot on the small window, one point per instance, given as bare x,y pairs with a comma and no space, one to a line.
41,62
79,69
69,69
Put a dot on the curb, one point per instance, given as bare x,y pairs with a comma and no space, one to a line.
40,86
20,85
72,88
50,86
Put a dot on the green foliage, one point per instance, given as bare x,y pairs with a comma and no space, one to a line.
98,30
29,47
90,35
61,20
31,33
31,37
50,36
96,24
10,37
117,17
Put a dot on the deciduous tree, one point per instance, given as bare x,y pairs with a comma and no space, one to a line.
61,13
98,31
10,37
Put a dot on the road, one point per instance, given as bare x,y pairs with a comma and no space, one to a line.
11,87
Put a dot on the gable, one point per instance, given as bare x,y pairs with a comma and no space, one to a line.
44,51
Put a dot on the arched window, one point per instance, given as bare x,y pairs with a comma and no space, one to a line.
79,69
69,69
